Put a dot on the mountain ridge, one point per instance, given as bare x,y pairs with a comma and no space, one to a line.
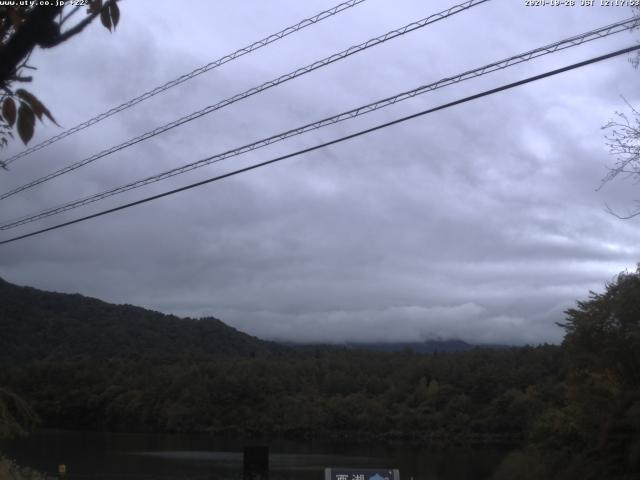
38,324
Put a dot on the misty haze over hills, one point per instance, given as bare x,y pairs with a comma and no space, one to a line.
36,324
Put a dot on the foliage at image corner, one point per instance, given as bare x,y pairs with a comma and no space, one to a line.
596,433
623,141
23,27
10,470
17,418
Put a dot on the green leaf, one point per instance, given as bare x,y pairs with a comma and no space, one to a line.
26,122
9,111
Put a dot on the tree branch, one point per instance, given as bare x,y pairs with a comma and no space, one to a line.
629,216
69,15
18,78
32,32
80,25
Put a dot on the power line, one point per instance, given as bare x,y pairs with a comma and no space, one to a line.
188,76
253,91
333,142
501,64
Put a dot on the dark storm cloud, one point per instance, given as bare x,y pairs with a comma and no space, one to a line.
480,222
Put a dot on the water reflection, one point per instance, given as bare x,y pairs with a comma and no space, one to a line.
109,456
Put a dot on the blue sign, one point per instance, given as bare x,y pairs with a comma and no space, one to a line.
361,474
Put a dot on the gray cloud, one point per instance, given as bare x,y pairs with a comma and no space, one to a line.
480,222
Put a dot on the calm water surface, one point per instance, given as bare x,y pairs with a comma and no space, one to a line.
111,456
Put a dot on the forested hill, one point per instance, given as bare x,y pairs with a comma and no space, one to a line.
574,408
35,324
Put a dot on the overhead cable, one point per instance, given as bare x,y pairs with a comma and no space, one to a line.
332,142
188,76
492,67
253,91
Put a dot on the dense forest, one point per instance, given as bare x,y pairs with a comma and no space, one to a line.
573,411
479,395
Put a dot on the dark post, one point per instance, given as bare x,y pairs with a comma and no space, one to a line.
256,463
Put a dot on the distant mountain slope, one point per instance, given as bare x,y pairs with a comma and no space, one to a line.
428,346
35,324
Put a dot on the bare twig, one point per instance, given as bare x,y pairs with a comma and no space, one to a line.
624,143
629,215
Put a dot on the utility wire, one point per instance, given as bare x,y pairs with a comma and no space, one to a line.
333,142
252,91
501,64
188,76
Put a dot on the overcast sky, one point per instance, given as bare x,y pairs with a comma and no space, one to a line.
480,222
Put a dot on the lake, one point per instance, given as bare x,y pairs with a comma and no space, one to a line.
111,456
